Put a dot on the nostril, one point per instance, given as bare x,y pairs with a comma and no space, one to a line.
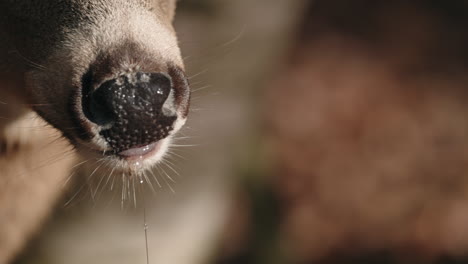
100,108
157,87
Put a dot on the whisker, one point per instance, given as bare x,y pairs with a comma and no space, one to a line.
167,162
134,192
177,145
112,184
150,184
55,158
128,187
171,153
198,74
91,176
30,62
236,38
102,179
123,190
74,196
80,188
155,178
193,84
202,88
167,175
75,170
108,178
181,138
168,184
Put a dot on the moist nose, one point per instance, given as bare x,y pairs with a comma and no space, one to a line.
133,110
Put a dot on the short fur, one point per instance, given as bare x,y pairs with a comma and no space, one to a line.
47,46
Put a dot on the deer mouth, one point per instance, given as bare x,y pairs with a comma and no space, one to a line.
141,153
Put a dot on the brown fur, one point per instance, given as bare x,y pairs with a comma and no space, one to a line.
46,48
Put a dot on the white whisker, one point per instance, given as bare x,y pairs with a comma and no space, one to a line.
145,176
201,88
198,74
155,178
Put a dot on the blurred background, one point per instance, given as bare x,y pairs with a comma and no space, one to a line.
326,131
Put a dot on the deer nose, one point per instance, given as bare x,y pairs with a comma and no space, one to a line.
133,110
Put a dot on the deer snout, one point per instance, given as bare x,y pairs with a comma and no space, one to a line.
133,111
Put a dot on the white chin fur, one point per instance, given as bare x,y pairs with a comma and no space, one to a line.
178,124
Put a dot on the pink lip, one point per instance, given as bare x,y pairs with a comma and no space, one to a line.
141,152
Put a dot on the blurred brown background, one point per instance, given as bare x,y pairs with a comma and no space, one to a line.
368,122
326,131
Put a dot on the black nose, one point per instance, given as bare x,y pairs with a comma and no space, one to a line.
133,110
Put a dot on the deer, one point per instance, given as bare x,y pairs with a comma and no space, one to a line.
81,80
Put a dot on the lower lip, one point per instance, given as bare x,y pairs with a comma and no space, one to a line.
141,153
